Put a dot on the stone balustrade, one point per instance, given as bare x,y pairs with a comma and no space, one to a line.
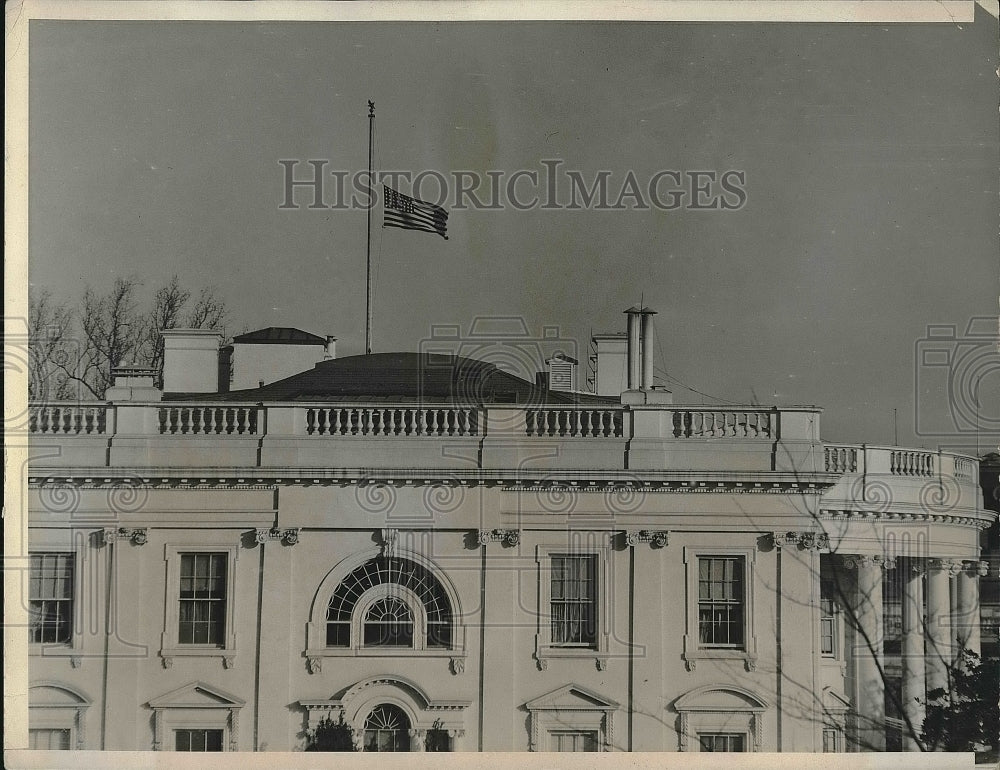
640,438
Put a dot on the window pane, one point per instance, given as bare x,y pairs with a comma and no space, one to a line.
575,740
198,740
721,601
573,604
383,571
49,739
202,599
50,598
721,741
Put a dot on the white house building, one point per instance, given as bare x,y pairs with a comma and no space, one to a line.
444,556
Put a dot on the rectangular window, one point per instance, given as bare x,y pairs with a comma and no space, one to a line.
198,740
48,740
831,740
574,740
50,608
827,622
573,599
721,600
722,741
202,599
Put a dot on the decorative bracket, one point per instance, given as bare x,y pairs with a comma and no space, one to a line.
168,661
810,541
457,665
76,661
858,561
507,537
657,538
982,568
228,661
390,542
137,535
543,664
602,664
315,665
289,536
951,566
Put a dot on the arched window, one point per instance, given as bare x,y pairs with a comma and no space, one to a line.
387,729
391,602
388,623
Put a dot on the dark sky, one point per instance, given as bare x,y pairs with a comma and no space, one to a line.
870,154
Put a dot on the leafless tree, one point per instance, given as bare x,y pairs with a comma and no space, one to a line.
74,352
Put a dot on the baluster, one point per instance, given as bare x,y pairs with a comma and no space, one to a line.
584,422
336,425
460,422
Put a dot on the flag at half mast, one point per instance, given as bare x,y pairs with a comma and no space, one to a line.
413,214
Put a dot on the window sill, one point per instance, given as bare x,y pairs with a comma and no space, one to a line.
57,650
315,657
197,651
721,653
544,653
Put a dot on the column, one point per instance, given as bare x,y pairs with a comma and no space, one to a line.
966,619
938,653
913,652
868,651
417,738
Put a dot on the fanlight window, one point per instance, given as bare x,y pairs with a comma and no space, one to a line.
386,729
389,623
390,620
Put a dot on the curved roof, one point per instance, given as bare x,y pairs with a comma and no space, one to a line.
404,377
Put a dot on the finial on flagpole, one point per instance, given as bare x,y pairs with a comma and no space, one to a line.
371,109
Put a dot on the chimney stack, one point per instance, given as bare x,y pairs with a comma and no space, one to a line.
331,348
640,359
633,354
647,348
191,360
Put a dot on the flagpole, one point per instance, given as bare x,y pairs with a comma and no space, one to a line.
368,261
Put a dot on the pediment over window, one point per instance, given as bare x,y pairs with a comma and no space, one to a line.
835,702
56,694
720,697
197,695
569,698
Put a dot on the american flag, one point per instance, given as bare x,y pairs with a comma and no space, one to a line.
412,214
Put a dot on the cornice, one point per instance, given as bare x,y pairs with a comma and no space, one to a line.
765,482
